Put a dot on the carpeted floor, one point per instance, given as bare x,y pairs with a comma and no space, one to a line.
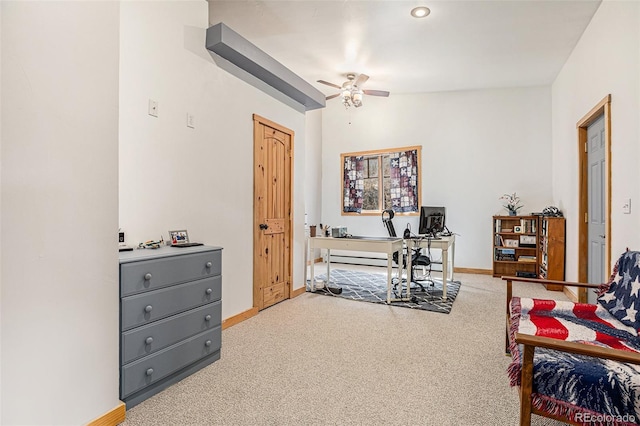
372,287
317,360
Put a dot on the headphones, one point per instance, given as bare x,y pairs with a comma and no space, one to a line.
407,232
389,213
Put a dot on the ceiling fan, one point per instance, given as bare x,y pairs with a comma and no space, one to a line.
351,92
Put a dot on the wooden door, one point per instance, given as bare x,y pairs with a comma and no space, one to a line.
272,259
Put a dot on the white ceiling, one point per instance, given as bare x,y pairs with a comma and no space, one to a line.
461,45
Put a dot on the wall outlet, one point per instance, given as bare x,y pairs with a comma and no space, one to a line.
191,121
626,206
153,108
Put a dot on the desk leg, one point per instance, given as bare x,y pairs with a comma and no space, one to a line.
311,267
453,257
328,268
409,271
445,275
306,252
389,272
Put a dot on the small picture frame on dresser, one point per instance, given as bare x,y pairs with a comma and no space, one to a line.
180,236
517,229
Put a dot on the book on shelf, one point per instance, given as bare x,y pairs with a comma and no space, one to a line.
528,226
526,258
505,254
507,257
525,274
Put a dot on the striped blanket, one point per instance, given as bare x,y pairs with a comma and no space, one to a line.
577,387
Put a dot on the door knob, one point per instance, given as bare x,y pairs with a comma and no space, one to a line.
603,236
264,226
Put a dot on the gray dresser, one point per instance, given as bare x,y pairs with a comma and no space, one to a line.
170,317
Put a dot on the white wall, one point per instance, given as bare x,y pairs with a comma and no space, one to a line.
313,170
59,198
605,61
174,177
0,213
476,146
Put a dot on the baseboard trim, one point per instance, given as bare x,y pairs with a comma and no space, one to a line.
297,292
112,417
236,319
473,271
571,295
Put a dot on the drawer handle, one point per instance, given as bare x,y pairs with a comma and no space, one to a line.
209,291
207,318
209,264
207,343
149,371
149,340
148,308
148,276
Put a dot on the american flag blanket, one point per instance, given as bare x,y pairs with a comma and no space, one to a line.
579,388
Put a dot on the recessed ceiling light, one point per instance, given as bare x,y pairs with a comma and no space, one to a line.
420,12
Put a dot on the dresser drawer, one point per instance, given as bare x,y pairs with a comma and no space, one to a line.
145,340
136,277
145,371
144,308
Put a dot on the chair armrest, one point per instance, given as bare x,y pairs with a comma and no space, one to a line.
578,348
542,281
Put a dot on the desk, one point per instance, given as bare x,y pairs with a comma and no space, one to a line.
388,245
444,244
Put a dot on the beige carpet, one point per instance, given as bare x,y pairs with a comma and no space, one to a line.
318,360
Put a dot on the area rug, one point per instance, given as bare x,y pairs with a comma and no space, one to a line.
368,287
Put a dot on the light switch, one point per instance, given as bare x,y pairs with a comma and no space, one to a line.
626,206
153,108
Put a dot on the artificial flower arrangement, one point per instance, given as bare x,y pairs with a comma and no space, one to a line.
511,203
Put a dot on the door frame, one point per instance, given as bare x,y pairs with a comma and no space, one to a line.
257,119
602,108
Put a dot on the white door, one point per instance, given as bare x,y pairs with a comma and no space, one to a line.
596,212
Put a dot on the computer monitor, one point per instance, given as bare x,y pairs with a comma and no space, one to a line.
432,220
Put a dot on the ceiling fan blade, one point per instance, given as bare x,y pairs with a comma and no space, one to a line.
362,78
376,92
332,96
330,84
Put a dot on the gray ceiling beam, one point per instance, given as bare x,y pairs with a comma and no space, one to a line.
231,46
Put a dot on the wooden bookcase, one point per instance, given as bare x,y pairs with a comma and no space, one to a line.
530,246
515,246
551,251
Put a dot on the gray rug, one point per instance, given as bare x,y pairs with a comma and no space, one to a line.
368,287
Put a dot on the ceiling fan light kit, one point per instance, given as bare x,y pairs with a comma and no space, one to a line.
350,92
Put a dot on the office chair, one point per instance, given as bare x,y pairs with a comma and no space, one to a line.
417,258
